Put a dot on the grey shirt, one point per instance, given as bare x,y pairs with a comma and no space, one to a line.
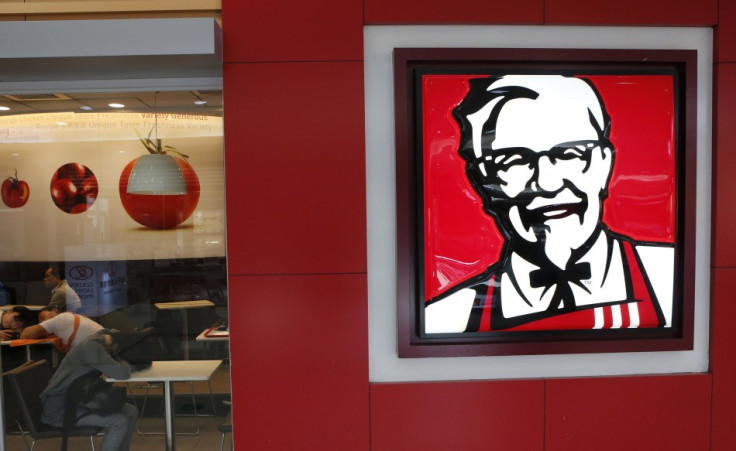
65,298
85,357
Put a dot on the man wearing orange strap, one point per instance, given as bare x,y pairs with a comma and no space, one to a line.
62,325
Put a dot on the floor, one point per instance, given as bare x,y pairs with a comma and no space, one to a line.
214,411
208,438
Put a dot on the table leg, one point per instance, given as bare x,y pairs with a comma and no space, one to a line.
185,327
54,356
169,413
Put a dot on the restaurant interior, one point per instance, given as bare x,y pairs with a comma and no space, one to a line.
139,257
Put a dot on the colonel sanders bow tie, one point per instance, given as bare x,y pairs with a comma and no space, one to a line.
562,279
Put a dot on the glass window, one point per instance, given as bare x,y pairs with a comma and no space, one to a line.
113,206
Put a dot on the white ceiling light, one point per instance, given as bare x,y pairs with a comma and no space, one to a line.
116,105
156,174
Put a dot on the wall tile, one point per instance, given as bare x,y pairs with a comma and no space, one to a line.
295,168
725,32
648,412
724,166
442,12
299,362
315,30
631,12
723,364
503,415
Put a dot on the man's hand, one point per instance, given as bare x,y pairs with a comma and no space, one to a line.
8,334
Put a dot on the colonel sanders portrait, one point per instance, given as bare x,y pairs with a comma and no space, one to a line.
538,155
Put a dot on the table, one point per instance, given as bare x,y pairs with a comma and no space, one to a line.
33,308
54,351
168,371
184,306
216,336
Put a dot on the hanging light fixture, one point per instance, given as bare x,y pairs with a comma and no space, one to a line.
156,173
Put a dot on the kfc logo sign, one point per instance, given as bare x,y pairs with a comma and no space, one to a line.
81,272
539,153
545,200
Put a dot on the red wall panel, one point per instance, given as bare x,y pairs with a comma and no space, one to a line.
502,415
723,363
296,204
631,12
725,36
442,12
314,30
295,168
626,413
299,364
724,166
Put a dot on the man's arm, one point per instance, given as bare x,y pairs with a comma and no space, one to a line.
98,357
36,331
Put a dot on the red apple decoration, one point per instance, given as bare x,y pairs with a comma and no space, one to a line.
159,190
15,192
73,188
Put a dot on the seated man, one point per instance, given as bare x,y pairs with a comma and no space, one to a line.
61,324
13,320
62,295
90,354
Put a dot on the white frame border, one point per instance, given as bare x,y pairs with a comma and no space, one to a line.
384,364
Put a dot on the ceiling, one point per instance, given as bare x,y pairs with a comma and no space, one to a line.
145,64
148,101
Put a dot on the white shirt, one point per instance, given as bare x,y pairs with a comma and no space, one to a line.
62,326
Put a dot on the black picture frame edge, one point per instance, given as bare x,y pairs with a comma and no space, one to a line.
410,345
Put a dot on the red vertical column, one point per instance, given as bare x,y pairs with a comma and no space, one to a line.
723,309
295,186
630,412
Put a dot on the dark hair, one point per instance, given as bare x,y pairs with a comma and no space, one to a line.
137,347
54,270
23,314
